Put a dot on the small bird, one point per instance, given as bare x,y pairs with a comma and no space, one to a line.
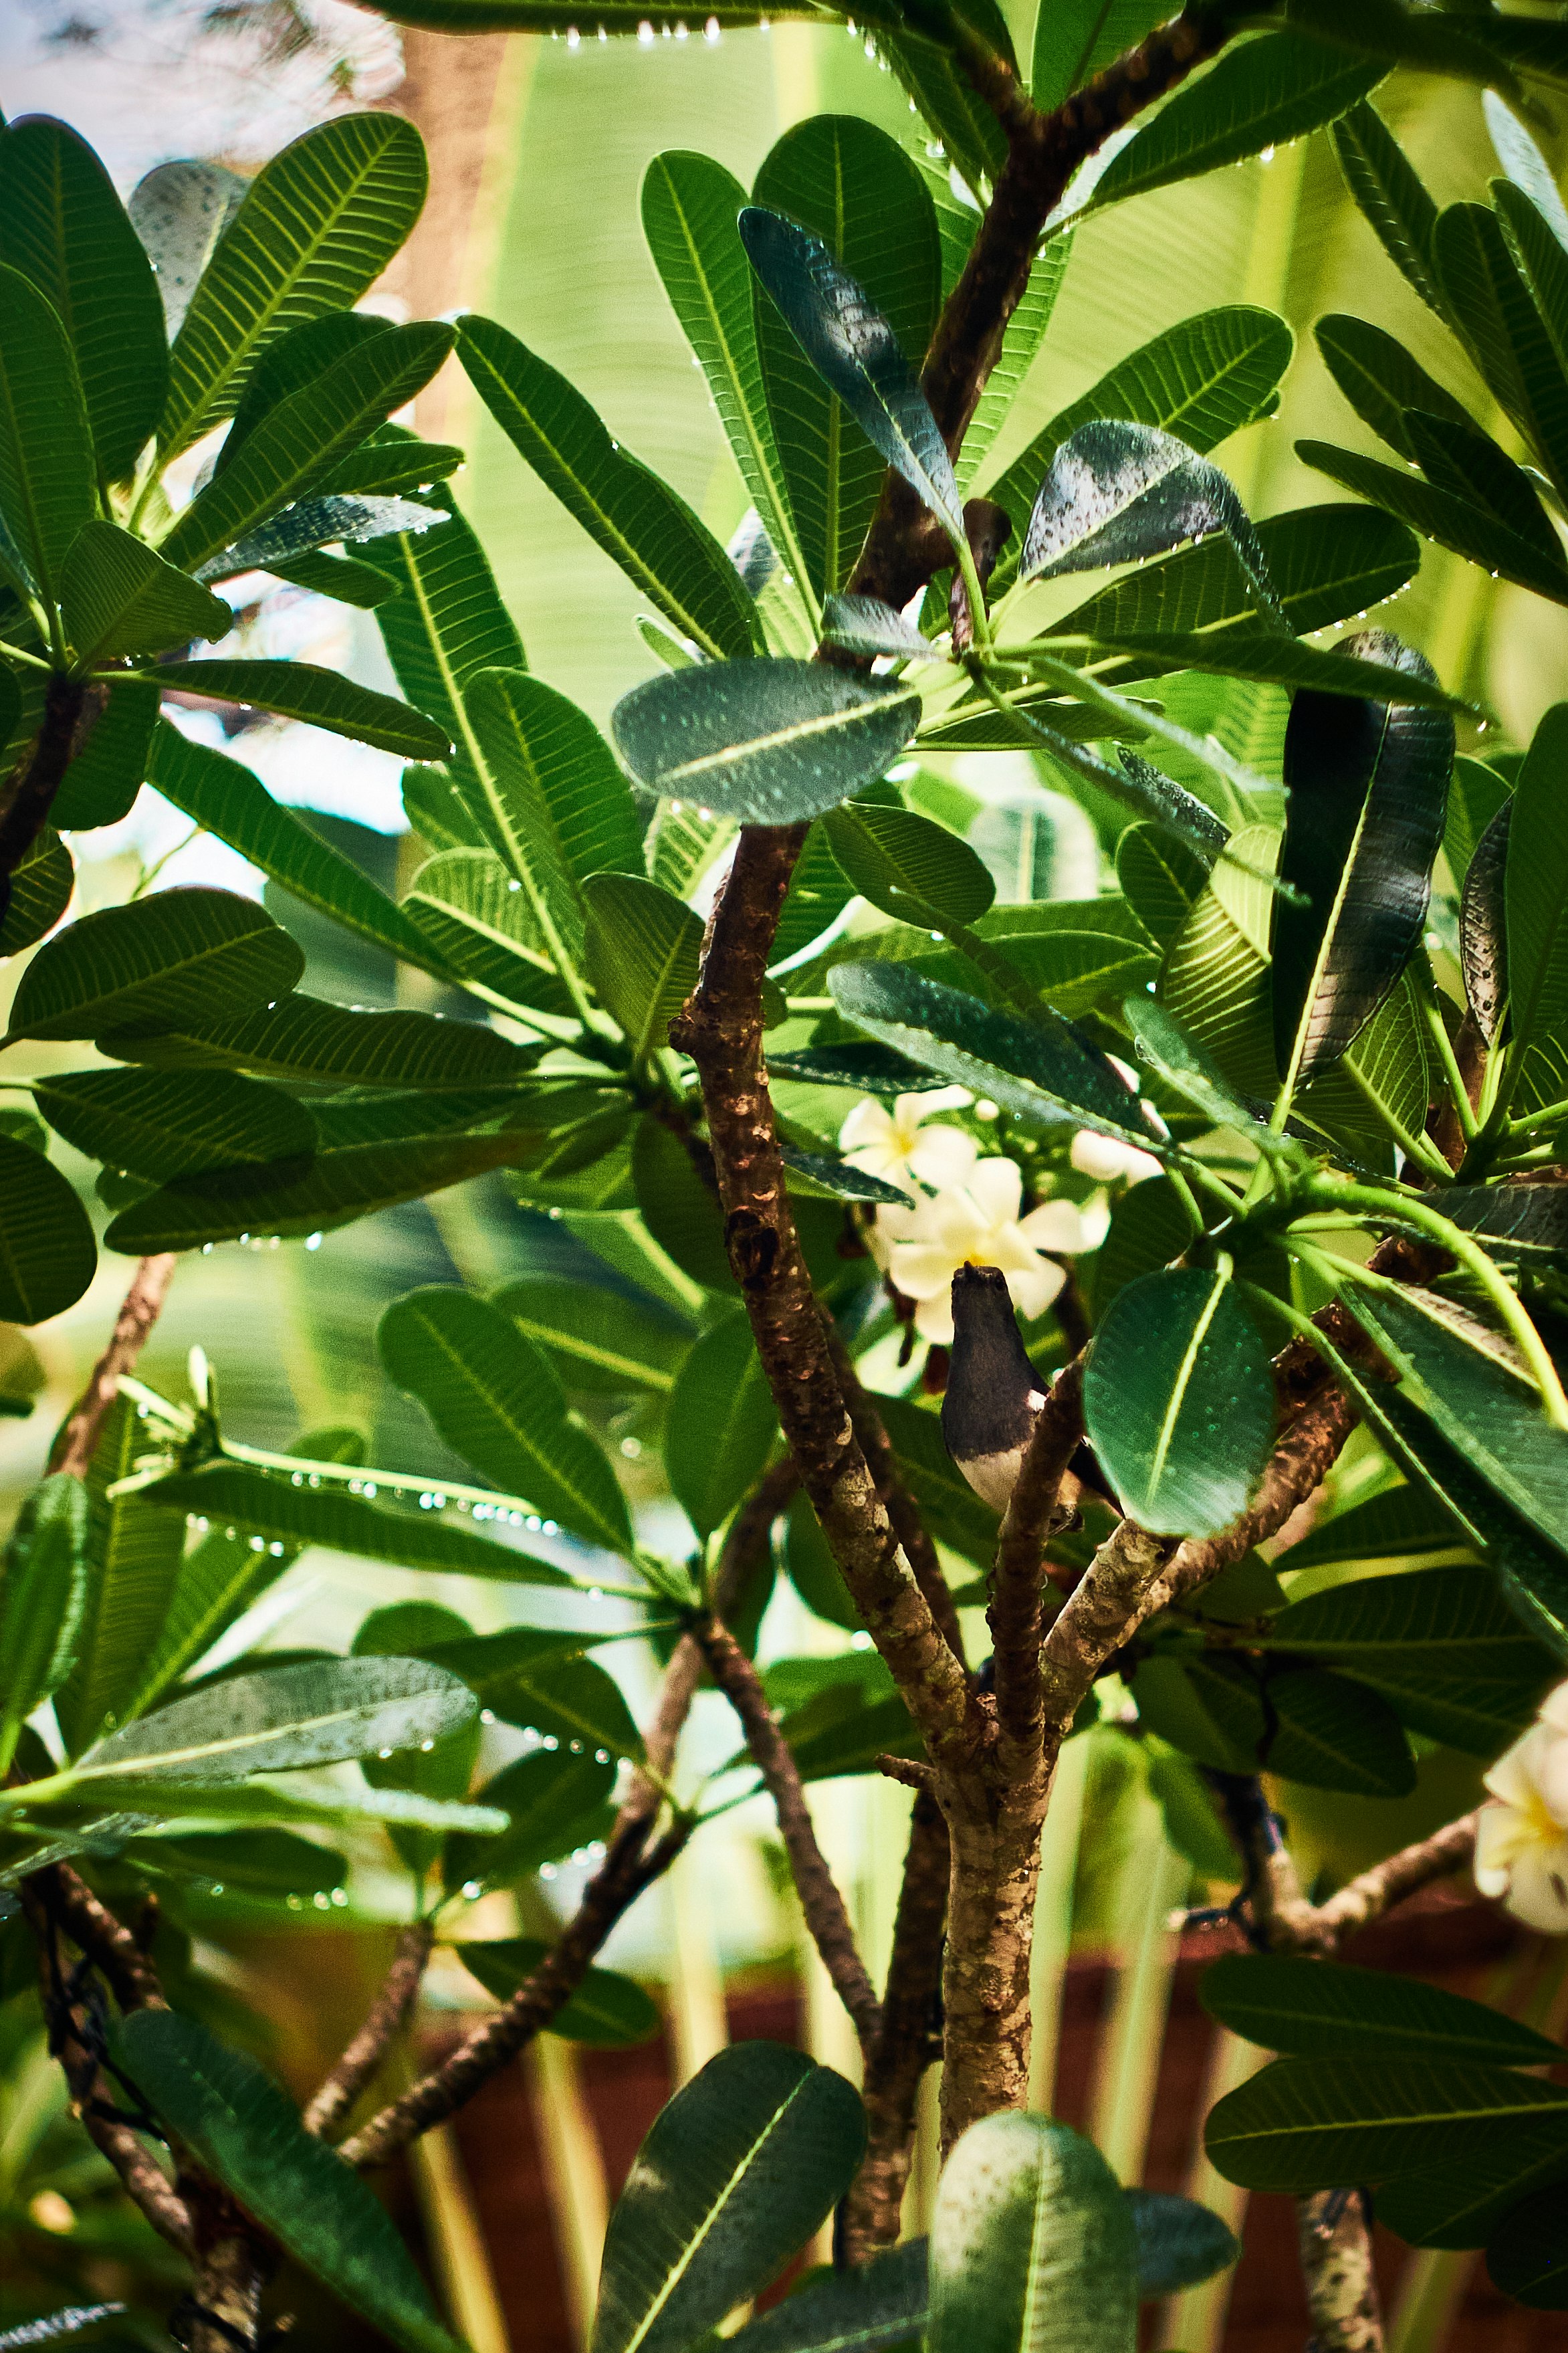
994,1393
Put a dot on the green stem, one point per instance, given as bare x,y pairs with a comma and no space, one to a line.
980,620
1393,1209
1426,989
16,653
1415,1147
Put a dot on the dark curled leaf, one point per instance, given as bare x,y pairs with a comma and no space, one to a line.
855,350
1369,787
1483,934
1180,810
864,625
1117,490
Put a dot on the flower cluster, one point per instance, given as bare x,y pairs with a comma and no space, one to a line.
964,1209
1521,1839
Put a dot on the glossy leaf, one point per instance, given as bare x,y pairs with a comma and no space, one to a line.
162,1124
641,950
1311,2124
1401,212
1045,1071
41,1596
722,1424
636,518
296,689
1260,94
1296,2006
908,865
304,1038
1400,1523
498,1402
118,597
858,2310
737,2172
1116,490
552,801
1179,1403
1483,919
315,228
1180,2242
1032,2242
768,742
553,1801
41,889
285,542
447,622
48,482
1332,1734
1439,514
863,625
66,230
855,350
607,2010
1149,1227
47,1252
1368,784
245,2131
545,1684
178,956
847,184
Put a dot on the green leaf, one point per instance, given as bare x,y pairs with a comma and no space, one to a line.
1200,380
48,482
1439,514
642,950
474,914
117,597
1161,878
1178,1402
1210,1708
133,1551
607,2010
1150,1226
298,440
102,783
497,1401
41,1599
689,208
386,468
178,956
1505,334
1526,1223
1526,2252
1401,1524
304,1038
268,1504
250,1867
544,1682
316,228
285,543
1021,342
941,92
41,891
1260,94
1044,1071
846,184
47,1252
641,523
858,2310
1401,212
949,1505
179,211
554,1801
231,801
164,1123
681,1211
447,622
289,364
855,350
737,2172
66,230
864,625
1073,43
1440,1644
1180,2242
611,1343
1298,2007
722,1424
1115,491
909,866
552,801
1311,2124
1032,2244
232,2116
1369,785
1536,891
1380,380
1332,1734
297,690
768,742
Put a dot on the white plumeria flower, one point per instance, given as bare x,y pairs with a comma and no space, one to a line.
1101,1158
1521,1839
977,1224
898,1147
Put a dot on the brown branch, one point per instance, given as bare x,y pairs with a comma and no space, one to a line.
1284,1920
1034,1515
820,1900
71,709
108,1944
1336,2243
388,2014
906,2043
78,1440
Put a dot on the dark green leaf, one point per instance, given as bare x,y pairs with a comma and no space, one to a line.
247,2132
297,690
769,741
473,913
1180,2242
1483,920
447,622
48,482
1456,457
864,625
41,1598
544,1682
1150,1226
681,1211
1332,1734
1460,2202
1527,1223
41,891
1505,334
1292,2005
102,783
384,468
1116,490
949,1505
909,866
722,1424
66,230
47,1253
552,799
1032,2242
1178,1402
163,1124
1161,878
650,532
302,1038
869,1070
1368,784
1402,214
316,227
1526,2254
641,954
555,1803
1439,514
858,2310
498,1402
289,363
178,956
812,1569
609,1342
1073,43
118,597
611,2011
1210,1708
737,2172
1401,1524
1311,2124
1536,888
285,542
1380,380
1259,94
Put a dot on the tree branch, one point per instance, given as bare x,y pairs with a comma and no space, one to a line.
78,1440
71,709
897,1501
820,1900
388,2014
1034,1515
1337,2271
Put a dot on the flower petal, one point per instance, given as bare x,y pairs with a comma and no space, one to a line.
944,1156
996,1187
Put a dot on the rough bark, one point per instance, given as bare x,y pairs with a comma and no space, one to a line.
78,1440
388,2015
1337,2271
71,709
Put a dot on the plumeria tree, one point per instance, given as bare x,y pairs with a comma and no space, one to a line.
1175,1188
